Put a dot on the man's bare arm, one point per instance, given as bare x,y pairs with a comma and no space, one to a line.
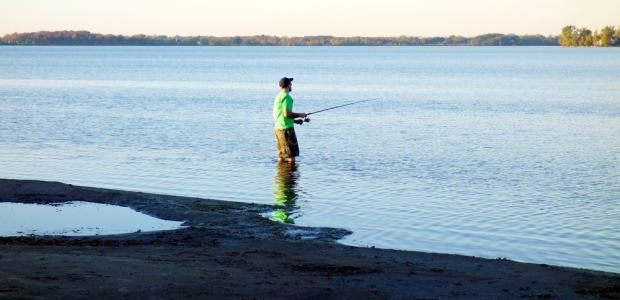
292,115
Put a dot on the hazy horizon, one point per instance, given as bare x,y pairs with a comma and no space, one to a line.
343,18
281,36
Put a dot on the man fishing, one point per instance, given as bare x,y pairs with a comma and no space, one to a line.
284,117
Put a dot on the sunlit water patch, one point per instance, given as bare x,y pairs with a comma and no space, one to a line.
76,218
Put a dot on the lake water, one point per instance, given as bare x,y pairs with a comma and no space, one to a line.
488,151
76,218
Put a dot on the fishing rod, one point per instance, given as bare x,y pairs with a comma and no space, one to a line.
306,119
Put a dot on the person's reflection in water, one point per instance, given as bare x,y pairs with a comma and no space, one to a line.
284,190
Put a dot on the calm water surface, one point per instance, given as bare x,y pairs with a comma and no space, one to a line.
76,218
496,152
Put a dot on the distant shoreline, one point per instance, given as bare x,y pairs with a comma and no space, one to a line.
268,46
86,38
571,37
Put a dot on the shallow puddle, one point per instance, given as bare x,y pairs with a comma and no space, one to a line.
76,218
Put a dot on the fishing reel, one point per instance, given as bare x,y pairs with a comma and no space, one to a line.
301,121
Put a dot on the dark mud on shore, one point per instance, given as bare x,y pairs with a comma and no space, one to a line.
228,250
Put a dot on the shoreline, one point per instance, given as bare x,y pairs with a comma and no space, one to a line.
229,250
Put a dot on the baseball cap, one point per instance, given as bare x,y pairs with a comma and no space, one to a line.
284,82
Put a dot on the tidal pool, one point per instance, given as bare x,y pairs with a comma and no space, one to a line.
76,218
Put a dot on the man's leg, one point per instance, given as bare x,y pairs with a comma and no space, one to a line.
279,141
293,148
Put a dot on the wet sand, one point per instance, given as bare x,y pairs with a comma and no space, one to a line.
229,251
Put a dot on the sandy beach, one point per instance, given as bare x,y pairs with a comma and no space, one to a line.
228,250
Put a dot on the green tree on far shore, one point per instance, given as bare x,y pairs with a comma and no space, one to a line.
606,34
582,37
567,38
596,38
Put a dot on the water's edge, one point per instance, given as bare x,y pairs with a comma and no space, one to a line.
236,218
243,220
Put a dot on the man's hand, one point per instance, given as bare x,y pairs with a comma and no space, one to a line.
298,121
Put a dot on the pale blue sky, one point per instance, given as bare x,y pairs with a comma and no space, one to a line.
300,18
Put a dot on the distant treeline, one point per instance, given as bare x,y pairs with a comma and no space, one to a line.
87,38
584,37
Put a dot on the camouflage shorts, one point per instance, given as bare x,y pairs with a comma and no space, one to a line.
286,143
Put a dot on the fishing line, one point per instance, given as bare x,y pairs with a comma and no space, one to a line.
306,119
